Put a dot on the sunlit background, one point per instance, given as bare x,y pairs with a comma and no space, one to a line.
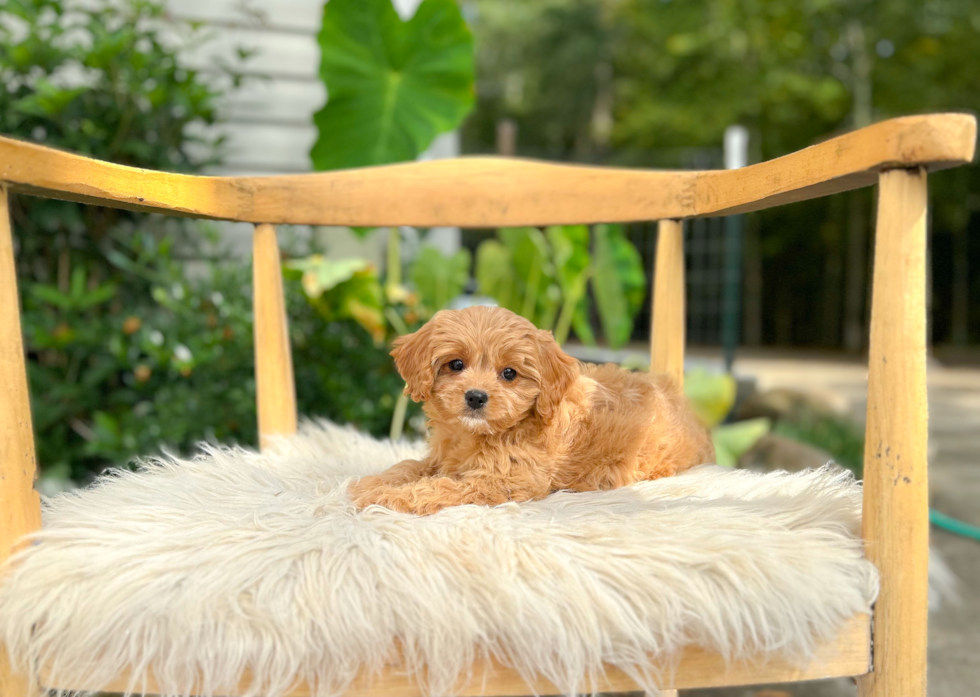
139,328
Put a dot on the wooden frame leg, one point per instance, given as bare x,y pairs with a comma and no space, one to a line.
667,326
274,382
896,507
20,506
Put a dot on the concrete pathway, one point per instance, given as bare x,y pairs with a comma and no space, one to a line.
954,472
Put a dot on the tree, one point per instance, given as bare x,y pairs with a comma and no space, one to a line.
793,72
547,66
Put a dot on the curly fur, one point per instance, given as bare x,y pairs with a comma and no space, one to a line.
201,571
558,425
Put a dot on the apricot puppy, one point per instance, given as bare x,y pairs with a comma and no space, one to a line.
511,417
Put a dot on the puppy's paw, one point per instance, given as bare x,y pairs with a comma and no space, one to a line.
364,490
376,490
380,496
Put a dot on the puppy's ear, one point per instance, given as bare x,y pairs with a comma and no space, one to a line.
558,371
413,358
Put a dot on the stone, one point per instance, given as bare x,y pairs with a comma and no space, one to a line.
784,403
775,452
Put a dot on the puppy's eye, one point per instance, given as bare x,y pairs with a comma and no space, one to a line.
508,373
456,365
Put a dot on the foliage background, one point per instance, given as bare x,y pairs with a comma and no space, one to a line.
656,82
126,350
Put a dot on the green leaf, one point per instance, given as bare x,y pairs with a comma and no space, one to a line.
618,283
711,395
534,270
570,250
51,296
320,273
392,85
102,294
361,299
439,278
105,433
629,267
581,323
48,100
77,287
495,274
734,440
341,289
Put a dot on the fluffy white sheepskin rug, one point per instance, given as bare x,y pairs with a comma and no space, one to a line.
234,561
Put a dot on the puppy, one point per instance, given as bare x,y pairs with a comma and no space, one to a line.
511,417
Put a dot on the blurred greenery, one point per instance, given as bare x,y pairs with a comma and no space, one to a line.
439,278
656,82
542,275
678,73
735,439
712,396
573,268
518,270
619,283
126,349
115,374
342,289
545,276
393,86
100,79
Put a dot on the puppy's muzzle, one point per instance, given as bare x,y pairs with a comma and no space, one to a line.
475,399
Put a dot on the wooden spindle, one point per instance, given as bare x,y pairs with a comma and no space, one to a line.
896,506
274,382
20,506
667,329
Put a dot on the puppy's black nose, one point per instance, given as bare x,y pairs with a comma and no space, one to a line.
476,398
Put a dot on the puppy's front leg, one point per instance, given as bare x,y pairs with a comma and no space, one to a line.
432,494
403,473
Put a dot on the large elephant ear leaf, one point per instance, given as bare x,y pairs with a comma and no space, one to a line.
392,86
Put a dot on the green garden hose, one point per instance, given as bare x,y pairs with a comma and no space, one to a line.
957,527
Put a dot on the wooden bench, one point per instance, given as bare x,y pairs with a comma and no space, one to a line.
490,192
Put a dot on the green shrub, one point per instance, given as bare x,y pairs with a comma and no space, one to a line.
101,79
125,351
114,375
546,276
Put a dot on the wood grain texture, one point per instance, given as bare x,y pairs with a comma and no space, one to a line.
489,191
847,655
274,382
896,505
667,335
20,506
